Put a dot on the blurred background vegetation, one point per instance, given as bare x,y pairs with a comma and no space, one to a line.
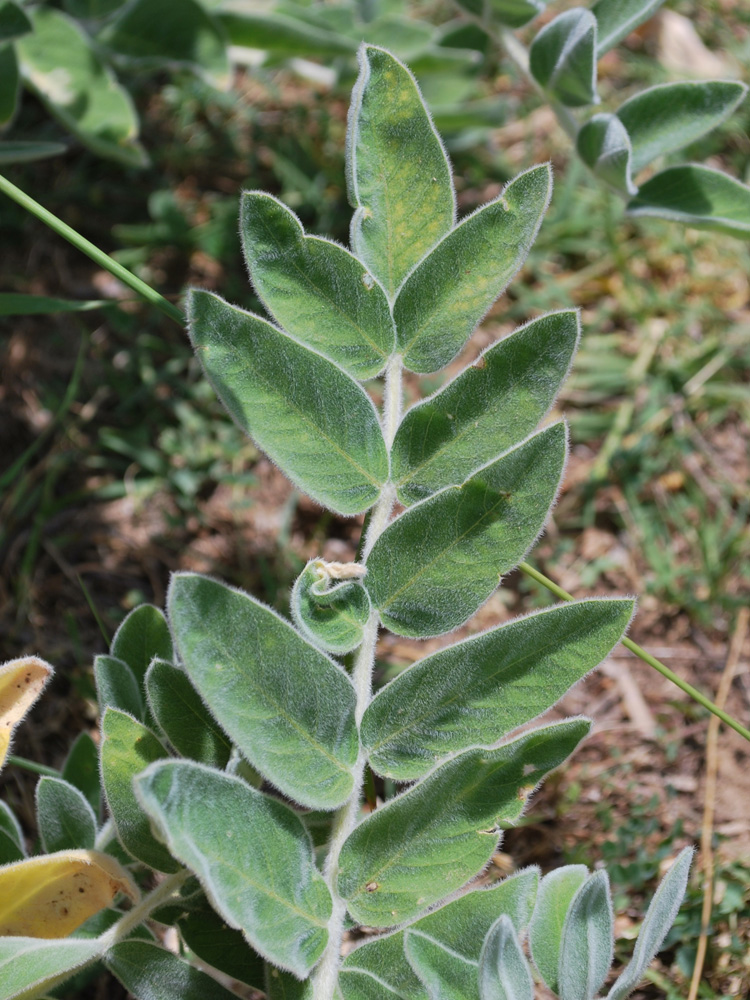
118,465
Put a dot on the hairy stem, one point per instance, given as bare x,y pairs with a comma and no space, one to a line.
325,977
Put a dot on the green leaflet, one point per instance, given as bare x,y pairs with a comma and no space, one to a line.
172,32
659,918
486,409
127,748
588,943
151,973
92,8
274,31
251,854
65,820
515,13
445,975
287,706
562,58
450,290
378,968
474,692
604,145
672,115
29,965
26,152
14,21
398,175
431,839
116,686
556,890
697,196
316,290
183,718
9,83
11,836
59,64
304,411
617,18
81,768
437,563
209,936
17,304
504,973
330,611
142,635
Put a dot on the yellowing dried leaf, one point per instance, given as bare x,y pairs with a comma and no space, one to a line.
21,683
51,895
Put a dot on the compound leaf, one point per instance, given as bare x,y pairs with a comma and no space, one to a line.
182,716
143,634
117,687
697,196
49,896
604,145
150,973
316,290
431,839
474,692
59,63
437,563
304,411
450,290
657,922
251,854
672,115
556,890
287,706
504,973
65,819
486,409
617,18
398,175
21,683
562,57
127,748
588,943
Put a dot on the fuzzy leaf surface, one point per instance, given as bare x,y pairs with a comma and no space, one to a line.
252,855
562,58
556,891
21,683
672,115
486,409
65,819
142,635
504,973
330,613
211,938
379,968
305,412
604,145
476,691
697,196
659,918
617,18
86,98
431,839
588,944
450,290
151,973
127,748
437,563
445,975
81,768
398,175
117,687
50,895
182,716
180,33
316,290
28,964
286,705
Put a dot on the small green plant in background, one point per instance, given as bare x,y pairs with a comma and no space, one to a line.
236,748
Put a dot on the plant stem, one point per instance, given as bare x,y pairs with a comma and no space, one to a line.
325,976
30,765
694,693
161,894
92,251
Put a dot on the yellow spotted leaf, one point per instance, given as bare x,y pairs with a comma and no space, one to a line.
21,683
51,895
